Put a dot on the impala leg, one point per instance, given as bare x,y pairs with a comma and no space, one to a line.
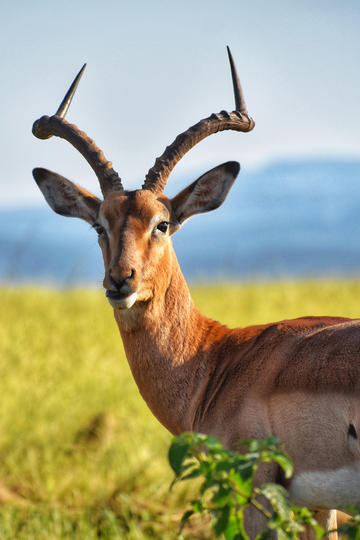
254,520
255,523
325,518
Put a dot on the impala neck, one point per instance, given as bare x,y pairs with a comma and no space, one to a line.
167,352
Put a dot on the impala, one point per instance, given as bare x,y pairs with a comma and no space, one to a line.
297,379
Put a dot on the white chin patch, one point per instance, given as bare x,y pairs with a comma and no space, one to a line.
123,303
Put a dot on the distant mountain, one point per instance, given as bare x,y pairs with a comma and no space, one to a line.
291,219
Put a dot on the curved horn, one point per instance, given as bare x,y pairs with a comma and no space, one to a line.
238,93
65,104
47,126
237,120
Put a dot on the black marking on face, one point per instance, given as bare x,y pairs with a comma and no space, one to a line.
352,431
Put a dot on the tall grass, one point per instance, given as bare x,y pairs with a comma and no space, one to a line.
80,454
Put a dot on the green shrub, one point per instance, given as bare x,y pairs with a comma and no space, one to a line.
227,488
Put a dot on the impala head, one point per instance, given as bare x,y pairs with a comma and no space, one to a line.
134,227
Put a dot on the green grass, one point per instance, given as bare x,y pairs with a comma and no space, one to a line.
80,454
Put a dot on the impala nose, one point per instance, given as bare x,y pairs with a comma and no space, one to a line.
119,289
122,283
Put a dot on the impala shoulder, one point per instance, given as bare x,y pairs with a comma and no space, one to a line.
324,358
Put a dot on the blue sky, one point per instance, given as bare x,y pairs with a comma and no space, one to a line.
155,68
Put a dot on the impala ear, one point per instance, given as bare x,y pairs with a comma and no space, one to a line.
65,197
206,193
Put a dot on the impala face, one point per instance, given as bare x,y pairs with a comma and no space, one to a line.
134,230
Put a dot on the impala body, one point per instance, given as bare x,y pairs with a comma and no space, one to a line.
298,380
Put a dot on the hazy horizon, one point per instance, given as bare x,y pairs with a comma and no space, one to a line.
173,186
293,220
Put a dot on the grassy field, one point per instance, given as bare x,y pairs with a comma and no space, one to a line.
80,454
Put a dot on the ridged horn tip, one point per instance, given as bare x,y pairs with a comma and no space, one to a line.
65,104
240,104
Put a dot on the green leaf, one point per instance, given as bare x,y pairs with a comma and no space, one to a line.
194,473
222,522
240,531
214,444
224,466
178,452
184,520
231,528
278,498
257,445
246,471
209,482
284,461
197,506
242,484
223,496
319,530
235,529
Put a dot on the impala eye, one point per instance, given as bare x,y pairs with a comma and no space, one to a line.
99,229
163,227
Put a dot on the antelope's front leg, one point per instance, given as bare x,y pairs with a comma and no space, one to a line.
254,520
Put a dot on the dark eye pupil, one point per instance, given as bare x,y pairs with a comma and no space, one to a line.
163,226
99,229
